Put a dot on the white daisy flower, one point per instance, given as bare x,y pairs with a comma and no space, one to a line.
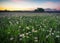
10,22
20,17
44,26
50,30
32,27
8,32
40,26
36,40
57,36
52,33
21,35
11,38
45,19
27,28
23,29
47,30
37,25
35,37
19,26
24,36
27,36
57,17
9,18
34,30
27,33
43,29
20,39
17,22
47,36
39,29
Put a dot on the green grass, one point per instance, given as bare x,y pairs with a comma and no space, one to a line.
30,29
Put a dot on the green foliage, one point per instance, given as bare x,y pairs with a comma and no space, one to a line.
39,10
27,29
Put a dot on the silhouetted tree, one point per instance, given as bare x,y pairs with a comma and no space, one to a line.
39,10
5,10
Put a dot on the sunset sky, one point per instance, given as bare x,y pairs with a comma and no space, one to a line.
29,4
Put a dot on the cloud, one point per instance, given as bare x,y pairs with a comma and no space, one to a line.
53,5
16,0
29,4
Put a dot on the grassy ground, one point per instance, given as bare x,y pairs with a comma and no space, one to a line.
30,29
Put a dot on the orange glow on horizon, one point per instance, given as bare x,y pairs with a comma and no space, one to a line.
23,9
11,9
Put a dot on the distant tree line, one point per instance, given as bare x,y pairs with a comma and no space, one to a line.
39,10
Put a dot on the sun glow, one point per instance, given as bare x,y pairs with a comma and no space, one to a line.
27,5
12,9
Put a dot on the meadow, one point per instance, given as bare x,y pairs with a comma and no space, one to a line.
30,28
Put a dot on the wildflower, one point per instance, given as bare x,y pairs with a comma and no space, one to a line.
27,36
44,26
52,33
35,37
37,25
30,21
57,17
21,35
11,38
36,40
32,27
57,36
17,22
45,19
24,36
27,28
20,39
34,30
39,29
47,30
27,33
47,36
8,32
9,18
19,26
43,29
41,23
10,22
40,26
50,30
20,17
23,29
